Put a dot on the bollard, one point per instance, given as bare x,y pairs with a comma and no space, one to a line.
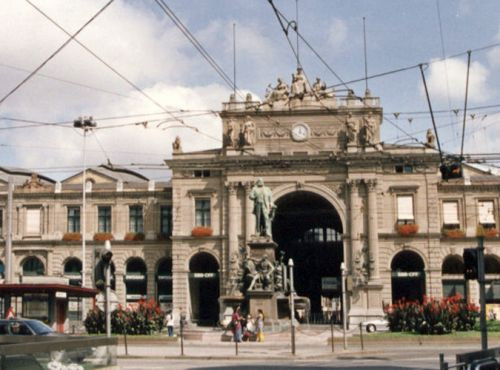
182,333
361,336
236,347
442,364
331,328
125,340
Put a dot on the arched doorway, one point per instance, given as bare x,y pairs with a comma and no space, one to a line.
408,276
453,276
492,275
308,229
135,280
164,284
32,266
204,288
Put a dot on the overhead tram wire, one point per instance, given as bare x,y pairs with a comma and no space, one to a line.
198,46
403,69
72,37
147,96
465,104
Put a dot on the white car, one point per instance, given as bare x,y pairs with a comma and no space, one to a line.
374,325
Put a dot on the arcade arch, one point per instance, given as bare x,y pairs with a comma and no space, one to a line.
308,229
135,280
452,273
204,288
407,276
164,284
32,266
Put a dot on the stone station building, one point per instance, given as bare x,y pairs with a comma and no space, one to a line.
342,196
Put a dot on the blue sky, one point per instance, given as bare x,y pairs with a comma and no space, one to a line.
137,39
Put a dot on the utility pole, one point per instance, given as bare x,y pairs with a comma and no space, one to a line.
292,306
8,242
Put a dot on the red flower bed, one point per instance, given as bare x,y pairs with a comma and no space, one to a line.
102,237
407,229
202,231
490,233
72,237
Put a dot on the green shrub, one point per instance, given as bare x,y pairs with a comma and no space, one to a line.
432,316
145,318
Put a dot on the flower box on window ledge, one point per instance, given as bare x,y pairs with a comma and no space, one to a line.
72,237
454,233
407,229
102,237
491,232
201,231
135,237
163,236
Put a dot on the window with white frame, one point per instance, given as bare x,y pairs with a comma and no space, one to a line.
450,214
33,221
104,219
202,212
136,219
486,213
405,209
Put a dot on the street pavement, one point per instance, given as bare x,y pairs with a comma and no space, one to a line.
205,350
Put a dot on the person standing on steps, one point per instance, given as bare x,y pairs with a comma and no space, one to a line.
260,325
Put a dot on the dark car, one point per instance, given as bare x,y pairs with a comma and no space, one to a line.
25,327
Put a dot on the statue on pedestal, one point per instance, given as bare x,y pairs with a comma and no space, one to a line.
263,208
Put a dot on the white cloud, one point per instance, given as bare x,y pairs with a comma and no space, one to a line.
494,54
337,33
449,77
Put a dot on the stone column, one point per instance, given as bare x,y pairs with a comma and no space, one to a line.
371,186
356,224
249,217
232,230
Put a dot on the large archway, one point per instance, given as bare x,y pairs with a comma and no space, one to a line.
308,229
204,288
408,276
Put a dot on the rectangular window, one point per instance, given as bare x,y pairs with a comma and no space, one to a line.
104,219
33,221
450,213
454,287
202,212
486,213
405,208
136,221
1,223
166,220
492,291
73,219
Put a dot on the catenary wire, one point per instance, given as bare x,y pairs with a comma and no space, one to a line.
72,37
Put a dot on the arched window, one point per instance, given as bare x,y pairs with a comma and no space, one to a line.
204,288
73,271
408,276
492,267
32,266
2,270
135,280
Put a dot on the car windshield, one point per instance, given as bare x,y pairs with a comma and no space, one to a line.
40,328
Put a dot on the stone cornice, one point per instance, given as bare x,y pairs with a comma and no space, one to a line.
447,188
339,111
35,243
105,194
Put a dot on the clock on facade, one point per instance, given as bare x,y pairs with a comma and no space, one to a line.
300,132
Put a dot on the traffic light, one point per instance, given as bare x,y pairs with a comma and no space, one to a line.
100,269
470,263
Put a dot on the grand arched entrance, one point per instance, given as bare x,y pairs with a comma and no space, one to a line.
308,229
408,276
204,288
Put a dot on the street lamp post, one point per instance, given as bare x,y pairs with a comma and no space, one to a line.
86,124
292,305
344,310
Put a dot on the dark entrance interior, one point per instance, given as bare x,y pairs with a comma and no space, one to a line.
308,229
204,289
408,277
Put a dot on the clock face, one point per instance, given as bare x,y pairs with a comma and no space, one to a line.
300,132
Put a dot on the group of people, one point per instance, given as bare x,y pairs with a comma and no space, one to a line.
245,328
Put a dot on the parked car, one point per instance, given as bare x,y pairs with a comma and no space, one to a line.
374,325
25,327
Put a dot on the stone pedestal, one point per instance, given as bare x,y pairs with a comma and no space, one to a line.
366,303
260,246
264,300
227,306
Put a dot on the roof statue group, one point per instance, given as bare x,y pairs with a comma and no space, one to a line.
299,89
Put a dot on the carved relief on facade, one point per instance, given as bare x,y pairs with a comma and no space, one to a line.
278,132
361,267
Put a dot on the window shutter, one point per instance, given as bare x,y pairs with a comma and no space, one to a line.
33,221
450,213
405,207
486,215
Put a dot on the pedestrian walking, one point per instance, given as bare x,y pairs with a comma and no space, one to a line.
170,324
236,324
260,325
